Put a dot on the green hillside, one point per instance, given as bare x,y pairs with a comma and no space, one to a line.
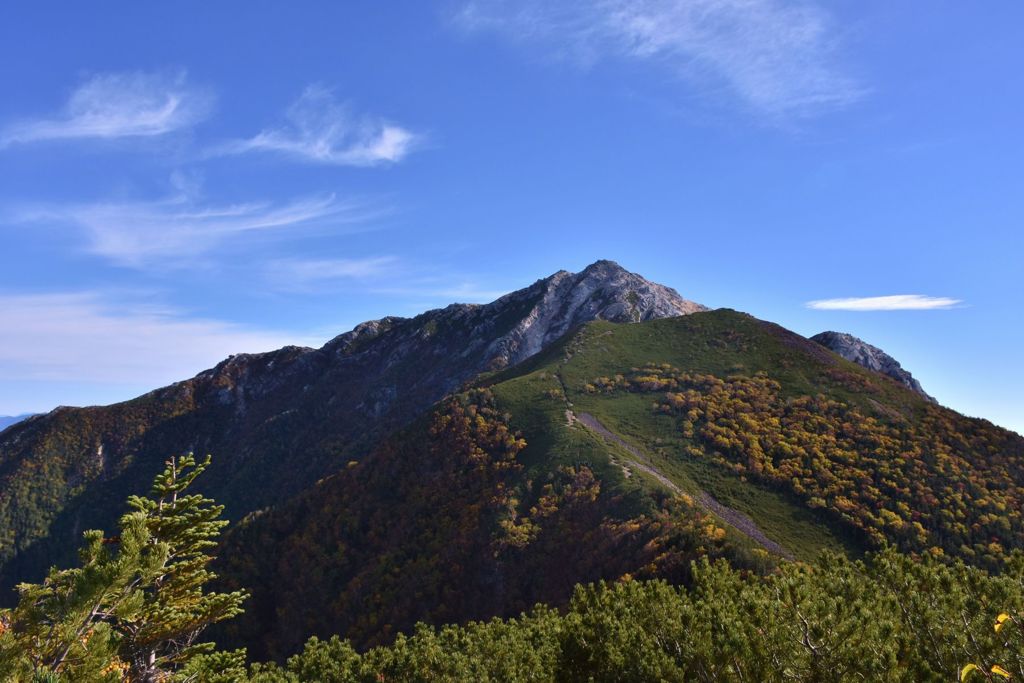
819,452
625,450
540,395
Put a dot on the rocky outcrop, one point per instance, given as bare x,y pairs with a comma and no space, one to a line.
603,291
871,357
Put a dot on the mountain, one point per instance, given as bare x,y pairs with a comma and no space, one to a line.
7,420
277,422
623,451
871,357
475,460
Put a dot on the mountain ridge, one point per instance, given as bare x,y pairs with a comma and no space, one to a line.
279,421
8,420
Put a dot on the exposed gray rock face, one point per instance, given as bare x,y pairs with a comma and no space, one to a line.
603,291
871,357
437,351
520,324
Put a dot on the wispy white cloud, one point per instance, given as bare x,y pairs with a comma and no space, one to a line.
118,105
171,232
323,130
777,55
896,302
92,337
419,285
300,274
435,292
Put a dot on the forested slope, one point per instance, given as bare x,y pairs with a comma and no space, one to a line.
503,497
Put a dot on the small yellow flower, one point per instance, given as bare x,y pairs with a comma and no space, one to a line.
1000,671
966,671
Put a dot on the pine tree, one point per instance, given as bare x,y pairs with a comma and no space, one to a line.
136,607
161,633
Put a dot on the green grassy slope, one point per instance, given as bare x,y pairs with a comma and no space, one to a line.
818,451
718,342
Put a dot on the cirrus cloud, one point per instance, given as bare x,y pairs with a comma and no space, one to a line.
322,130
172,232
779,56
93,337
895,302
118,105
302,274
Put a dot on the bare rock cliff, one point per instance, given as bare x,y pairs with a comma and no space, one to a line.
871,357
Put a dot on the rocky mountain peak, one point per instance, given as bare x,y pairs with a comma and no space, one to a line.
438,350
603,268
604,290
871,357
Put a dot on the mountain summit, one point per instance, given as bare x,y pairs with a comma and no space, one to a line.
604,290
871,357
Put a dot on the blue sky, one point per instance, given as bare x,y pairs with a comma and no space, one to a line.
181,181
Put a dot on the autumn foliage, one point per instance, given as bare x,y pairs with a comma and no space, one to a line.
941,484
448,528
